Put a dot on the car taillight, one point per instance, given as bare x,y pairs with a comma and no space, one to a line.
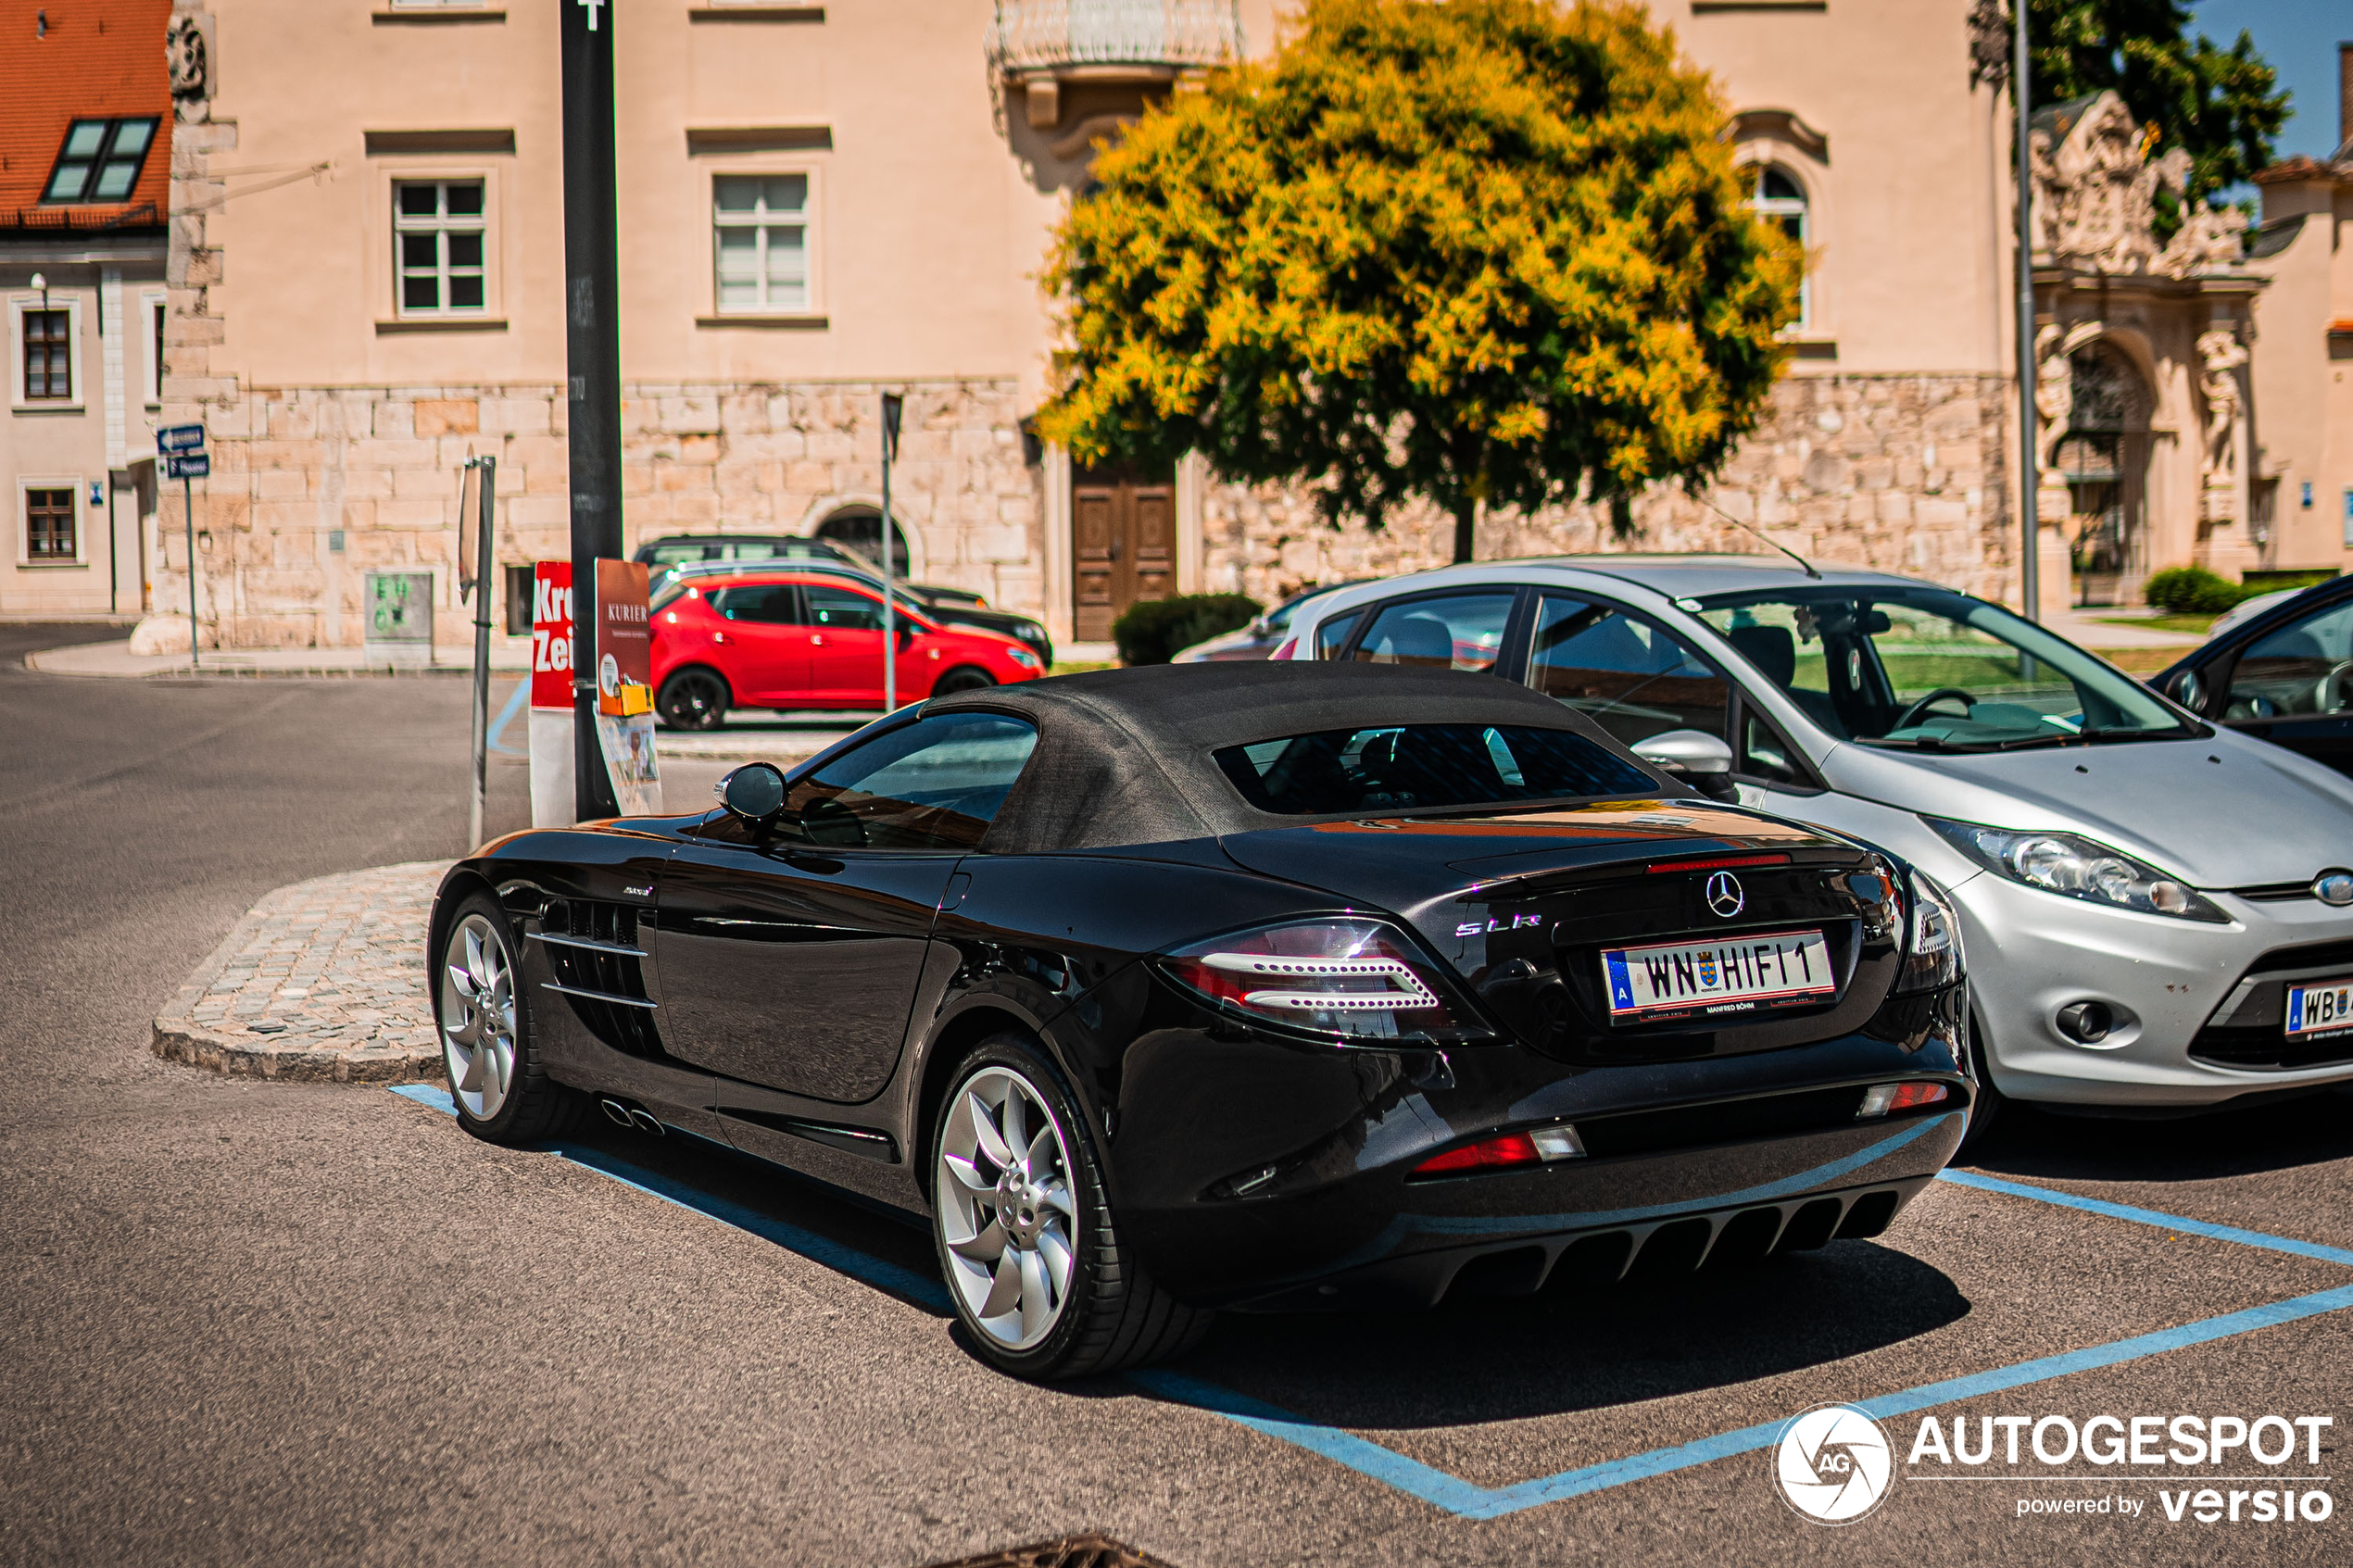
1881,1099
1540,1146
1356,979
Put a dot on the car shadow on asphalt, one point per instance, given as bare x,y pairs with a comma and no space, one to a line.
1584,1347
2280,1136
1468,1360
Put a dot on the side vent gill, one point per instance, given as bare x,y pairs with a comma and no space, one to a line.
593,948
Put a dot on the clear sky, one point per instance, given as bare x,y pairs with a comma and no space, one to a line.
2299,39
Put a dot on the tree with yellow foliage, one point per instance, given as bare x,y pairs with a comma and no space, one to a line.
1476,251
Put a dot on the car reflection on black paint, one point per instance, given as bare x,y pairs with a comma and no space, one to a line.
1239,985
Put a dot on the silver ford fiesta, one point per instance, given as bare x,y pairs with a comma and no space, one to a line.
2158,913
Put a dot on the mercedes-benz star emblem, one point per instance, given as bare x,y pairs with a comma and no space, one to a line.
1724,894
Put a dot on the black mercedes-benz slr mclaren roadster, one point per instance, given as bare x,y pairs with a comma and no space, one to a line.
1254,986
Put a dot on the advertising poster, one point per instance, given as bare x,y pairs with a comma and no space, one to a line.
624,686
551,662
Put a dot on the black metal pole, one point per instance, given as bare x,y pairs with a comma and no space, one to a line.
188,501
485,502
2030,585
592,337
890,406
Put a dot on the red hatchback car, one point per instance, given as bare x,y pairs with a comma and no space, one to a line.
774,638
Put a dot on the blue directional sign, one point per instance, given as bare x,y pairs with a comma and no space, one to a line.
188,465
180,438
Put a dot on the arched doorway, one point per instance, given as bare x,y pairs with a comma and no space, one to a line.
2104,458
861,529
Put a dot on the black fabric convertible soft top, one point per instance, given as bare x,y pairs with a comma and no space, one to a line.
1123,755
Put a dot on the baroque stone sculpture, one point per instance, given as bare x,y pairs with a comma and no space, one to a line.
2096,190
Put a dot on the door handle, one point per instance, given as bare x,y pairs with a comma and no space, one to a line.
720,637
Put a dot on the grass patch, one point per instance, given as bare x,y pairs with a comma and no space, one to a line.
2141,661
2197,625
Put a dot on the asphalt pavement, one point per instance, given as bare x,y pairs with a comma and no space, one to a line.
247,1321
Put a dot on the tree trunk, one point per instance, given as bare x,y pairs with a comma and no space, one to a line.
1465,529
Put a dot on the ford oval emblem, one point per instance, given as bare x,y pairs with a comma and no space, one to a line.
2333,887
1724,894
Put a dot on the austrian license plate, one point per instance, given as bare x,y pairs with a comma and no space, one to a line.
2321,1009
1733,975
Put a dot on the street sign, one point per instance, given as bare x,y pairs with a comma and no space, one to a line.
180,438
192,465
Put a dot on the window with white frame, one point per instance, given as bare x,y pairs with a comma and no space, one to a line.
1781,199
49,525
44,351
760,243
438,243
48,354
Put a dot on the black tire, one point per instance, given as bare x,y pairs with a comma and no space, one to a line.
695,698
1112,1316
1987,1107
963,678
531,1105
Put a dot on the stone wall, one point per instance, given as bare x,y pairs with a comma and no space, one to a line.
1901,472
291,466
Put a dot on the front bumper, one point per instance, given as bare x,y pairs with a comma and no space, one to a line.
2168,982
1301,1199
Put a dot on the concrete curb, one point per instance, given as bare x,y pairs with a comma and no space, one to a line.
115,660
369,924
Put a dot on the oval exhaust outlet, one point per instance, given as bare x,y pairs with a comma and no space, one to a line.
644,1121
615,1113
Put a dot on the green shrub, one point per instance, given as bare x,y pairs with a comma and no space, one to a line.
1152,630
2192,590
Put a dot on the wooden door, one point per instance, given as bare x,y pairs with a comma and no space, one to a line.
1123,544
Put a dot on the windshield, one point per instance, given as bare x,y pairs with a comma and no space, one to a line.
1933,669
1338,773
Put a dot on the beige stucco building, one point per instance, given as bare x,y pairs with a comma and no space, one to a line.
2303,433
821,202
85,129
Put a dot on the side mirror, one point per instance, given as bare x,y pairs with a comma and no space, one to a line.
2189,691
1685,753
754,792
1699,759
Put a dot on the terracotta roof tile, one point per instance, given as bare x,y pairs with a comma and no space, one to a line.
2301,166
95,59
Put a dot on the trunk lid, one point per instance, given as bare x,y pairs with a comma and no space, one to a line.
1522,907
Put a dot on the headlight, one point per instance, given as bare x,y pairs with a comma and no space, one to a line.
1024,658
1932,939
2077,868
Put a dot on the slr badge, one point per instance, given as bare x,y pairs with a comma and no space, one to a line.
1724,894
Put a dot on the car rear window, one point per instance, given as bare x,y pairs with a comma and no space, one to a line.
1340,773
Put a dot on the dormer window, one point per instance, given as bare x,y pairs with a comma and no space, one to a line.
100,160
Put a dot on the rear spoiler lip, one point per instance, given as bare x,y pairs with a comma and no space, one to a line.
1562,878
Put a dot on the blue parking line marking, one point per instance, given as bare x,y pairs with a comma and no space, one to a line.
2150,1216
1468,1499
1359,1454
506,715
1471,1501
842,1258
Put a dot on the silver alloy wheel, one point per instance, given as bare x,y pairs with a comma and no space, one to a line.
1005,1207
478,1016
